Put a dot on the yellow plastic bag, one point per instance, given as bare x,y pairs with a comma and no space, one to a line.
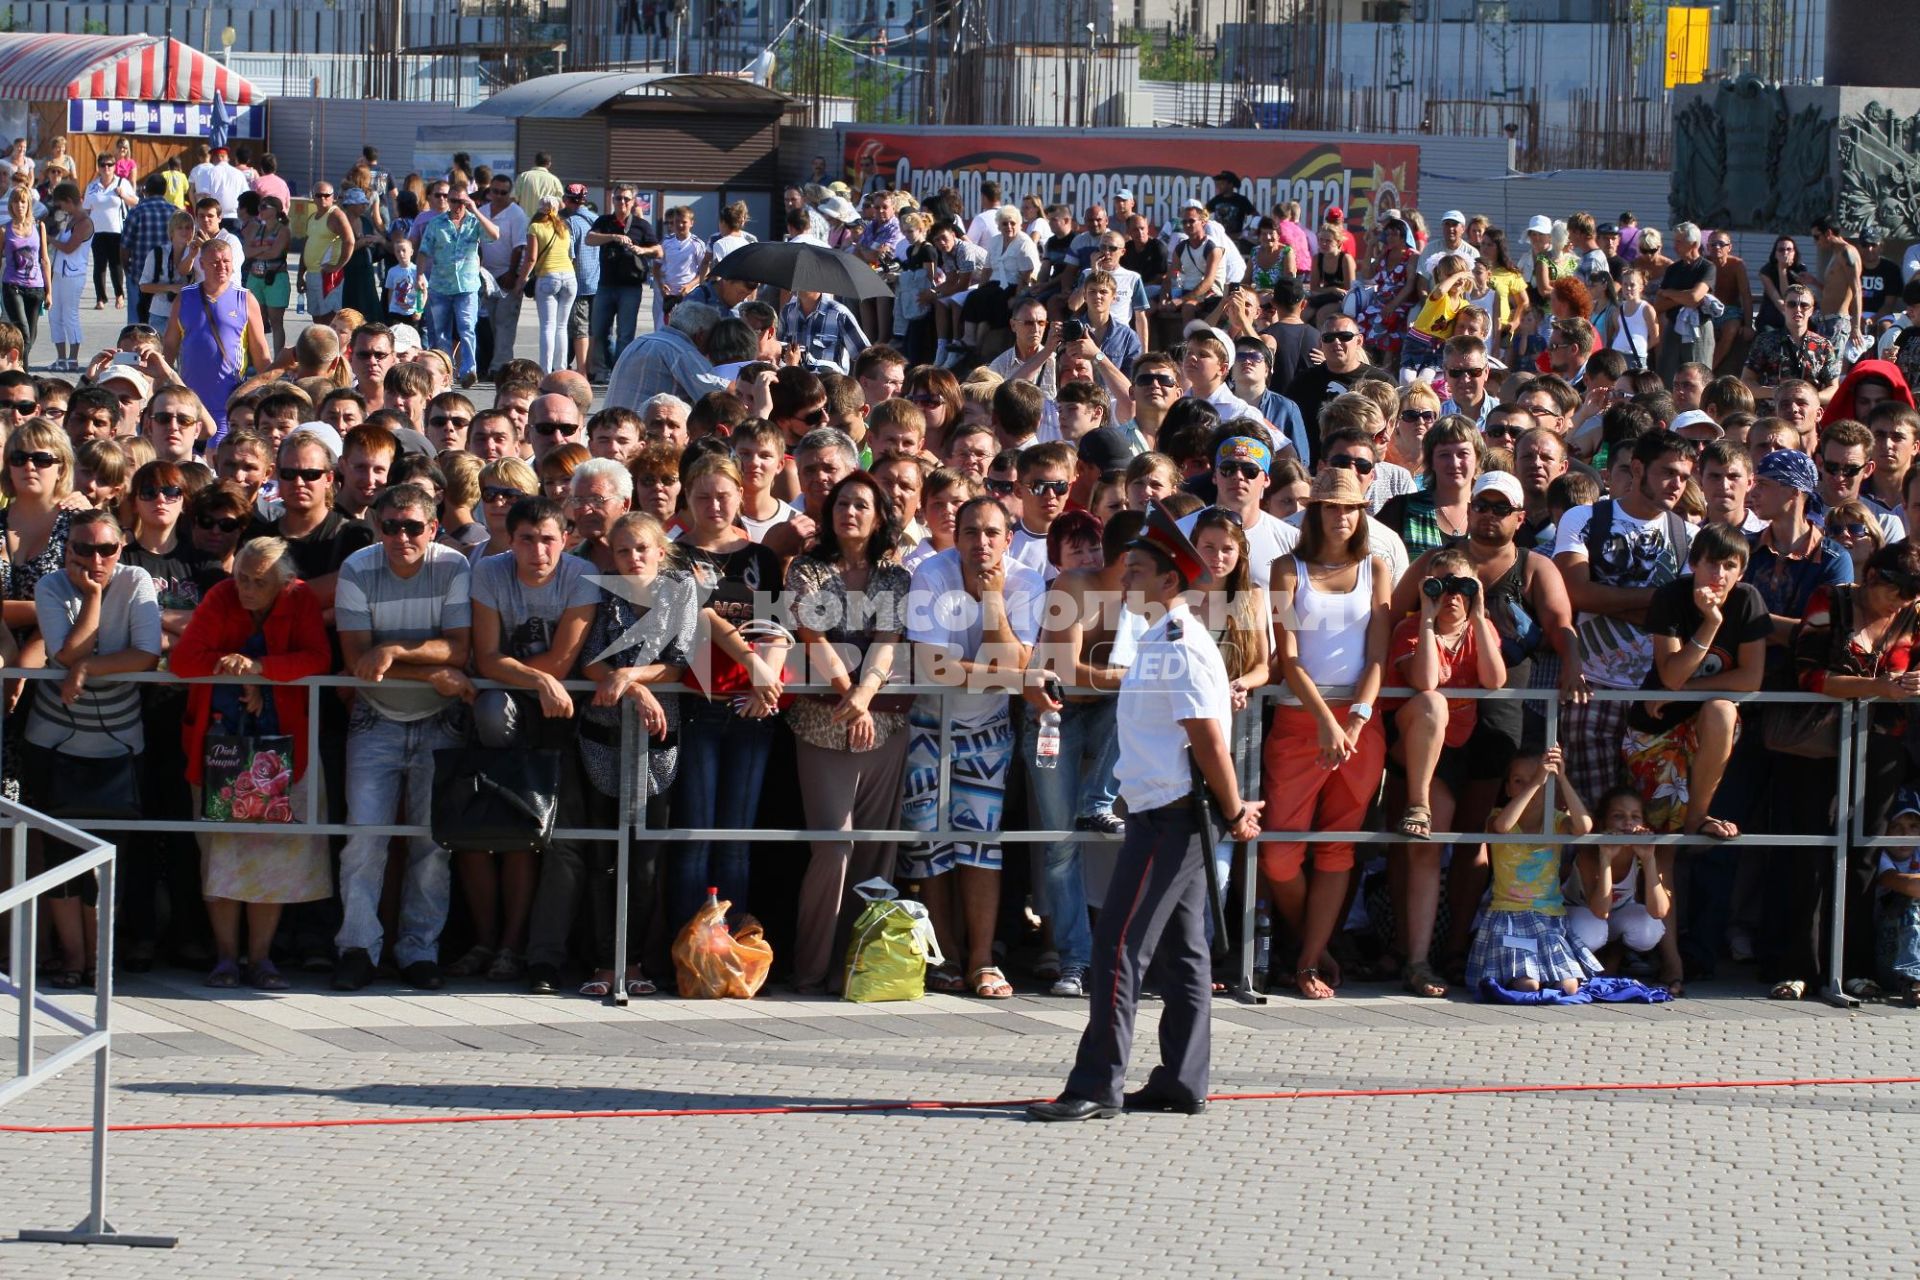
712,962
892,945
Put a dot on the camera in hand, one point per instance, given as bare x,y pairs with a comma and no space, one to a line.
1451,585
1072,330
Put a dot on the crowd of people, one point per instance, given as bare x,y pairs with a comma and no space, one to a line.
1606,462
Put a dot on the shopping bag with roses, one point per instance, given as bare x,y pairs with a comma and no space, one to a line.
249,776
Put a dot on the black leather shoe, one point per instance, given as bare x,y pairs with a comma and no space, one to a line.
423,975
1144,1100
541,979
354,970
1070,1108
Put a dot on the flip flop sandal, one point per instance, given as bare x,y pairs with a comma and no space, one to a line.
991,984
946,980
1792,989
1420,980
596,988
641,986
1417,822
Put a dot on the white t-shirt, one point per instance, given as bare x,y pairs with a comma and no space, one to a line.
497,255
1437,251
724,245
221,181
681,261
1268,539
940,612
1030,549
1618,654
984,227
105,206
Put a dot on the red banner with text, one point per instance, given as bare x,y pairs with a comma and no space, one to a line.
1163,168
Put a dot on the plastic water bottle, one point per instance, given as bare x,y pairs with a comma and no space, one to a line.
1046,747
1262,944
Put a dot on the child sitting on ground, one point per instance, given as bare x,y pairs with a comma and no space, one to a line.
1899,885
1605,892
1523,943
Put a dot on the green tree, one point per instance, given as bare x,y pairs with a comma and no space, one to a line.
1181,60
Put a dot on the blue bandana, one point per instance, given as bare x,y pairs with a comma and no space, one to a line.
1795,470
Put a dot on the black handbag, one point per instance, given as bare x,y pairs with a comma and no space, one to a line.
487,799
101,788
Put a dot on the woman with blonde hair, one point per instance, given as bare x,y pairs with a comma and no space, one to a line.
550,268
27,268
36,481
733,230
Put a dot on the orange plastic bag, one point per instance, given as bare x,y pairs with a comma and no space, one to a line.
712,962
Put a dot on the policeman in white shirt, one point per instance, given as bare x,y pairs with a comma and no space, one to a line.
1171,783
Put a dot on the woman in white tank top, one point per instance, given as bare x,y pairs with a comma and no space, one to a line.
1324,755
1631,325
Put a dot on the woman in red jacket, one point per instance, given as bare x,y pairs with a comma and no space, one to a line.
261,622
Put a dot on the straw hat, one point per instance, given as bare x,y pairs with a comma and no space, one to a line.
1340,485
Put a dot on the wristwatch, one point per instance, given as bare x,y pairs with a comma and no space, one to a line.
1363,711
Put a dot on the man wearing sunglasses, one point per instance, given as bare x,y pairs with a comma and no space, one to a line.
1794,352
1846,463
1242,467
1464,361
1340,362
450,259
1156,386
552,421
405,618
318,538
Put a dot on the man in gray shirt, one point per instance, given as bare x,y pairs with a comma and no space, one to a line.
405,617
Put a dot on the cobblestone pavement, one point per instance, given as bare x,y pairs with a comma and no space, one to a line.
1780,1181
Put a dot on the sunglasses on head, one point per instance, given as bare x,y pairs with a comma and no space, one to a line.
1907,584
1349,462
449,420
225,524
38,459
95,550
311,475
555,428
1050,488
155,492
1489,507
1001,488
395,527
139,331
1243,470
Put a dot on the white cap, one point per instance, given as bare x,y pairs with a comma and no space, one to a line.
1201,326
125,367
406,338
835,209
1698,419
326,433
1193,204
1124,193
1504,483
1454,215
1541,223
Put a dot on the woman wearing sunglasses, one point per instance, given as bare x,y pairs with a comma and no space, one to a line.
217,516
1852,526
503,482
38,482
98,618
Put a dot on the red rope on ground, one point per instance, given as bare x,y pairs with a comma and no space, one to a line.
861,1108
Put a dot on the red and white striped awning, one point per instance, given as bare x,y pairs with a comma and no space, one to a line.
49,68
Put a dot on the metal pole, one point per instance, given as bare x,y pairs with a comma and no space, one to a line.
1850,743
26,963
96,1223
313,754
1250,862
622,850
1553,740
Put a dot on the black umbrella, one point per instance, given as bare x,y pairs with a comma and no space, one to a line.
799,267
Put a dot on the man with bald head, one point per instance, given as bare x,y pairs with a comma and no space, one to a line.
553,420
573,385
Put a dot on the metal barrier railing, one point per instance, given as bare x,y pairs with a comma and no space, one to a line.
96,1037
1246,750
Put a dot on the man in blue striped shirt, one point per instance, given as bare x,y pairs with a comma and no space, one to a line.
144,235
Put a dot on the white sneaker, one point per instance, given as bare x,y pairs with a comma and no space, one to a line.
1071,982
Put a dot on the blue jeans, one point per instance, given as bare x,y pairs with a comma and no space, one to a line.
723,761
383,756
613,302
450,321
1088,753
1900,939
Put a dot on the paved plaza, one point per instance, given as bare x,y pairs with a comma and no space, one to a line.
1724,1182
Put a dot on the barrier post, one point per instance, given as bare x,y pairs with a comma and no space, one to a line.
26,952
1852,747
1246,748
623,849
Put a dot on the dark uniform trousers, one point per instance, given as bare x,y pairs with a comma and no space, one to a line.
1157,901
